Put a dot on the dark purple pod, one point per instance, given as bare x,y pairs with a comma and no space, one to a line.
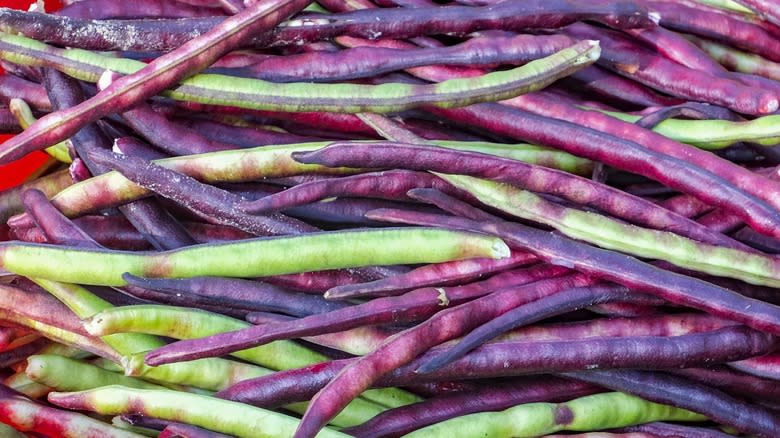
244,294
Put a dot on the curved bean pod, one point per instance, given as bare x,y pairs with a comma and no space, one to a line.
538,179
301,97
64,374
188,323
389,23
589,142
715,134
718,26
629,59
203,411
246,294
373,61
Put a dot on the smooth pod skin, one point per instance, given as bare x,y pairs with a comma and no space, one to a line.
683,393
29,416
10,199
168,136
391,184
256,94
767,366
488,398
158,75
187,323
591,143
715,134
482,308
30,92
208,202
389,23
112,189
259,257
430,275
717,26
534,178
598,230
678,49
518,358
756,389
65,374
623,56
619,268
203,411
613,87
374,61
595,412
560,303
737,60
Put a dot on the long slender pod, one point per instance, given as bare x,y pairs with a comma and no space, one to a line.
406,419
534,178
258,257
113,189
620,268
590,413
29,416
208,412
389,23
678,391
215,89
123,93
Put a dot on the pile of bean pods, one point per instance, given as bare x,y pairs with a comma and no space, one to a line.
383,218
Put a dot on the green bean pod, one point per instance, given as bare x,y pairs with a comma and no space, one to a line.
608,233
737,60
65,374
210,413
715,134
305,97
595,412
189,323
210,374
251,257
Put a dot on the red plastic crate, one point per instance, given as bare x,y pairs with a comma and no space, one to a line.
15,173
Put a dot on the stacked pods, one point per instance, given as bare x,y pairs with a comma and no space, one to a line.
391,218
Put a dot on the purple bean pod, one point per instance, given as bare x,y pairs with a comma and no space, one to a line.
399,421
246,294
431,275
535,178
683,393
622,269
629,59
